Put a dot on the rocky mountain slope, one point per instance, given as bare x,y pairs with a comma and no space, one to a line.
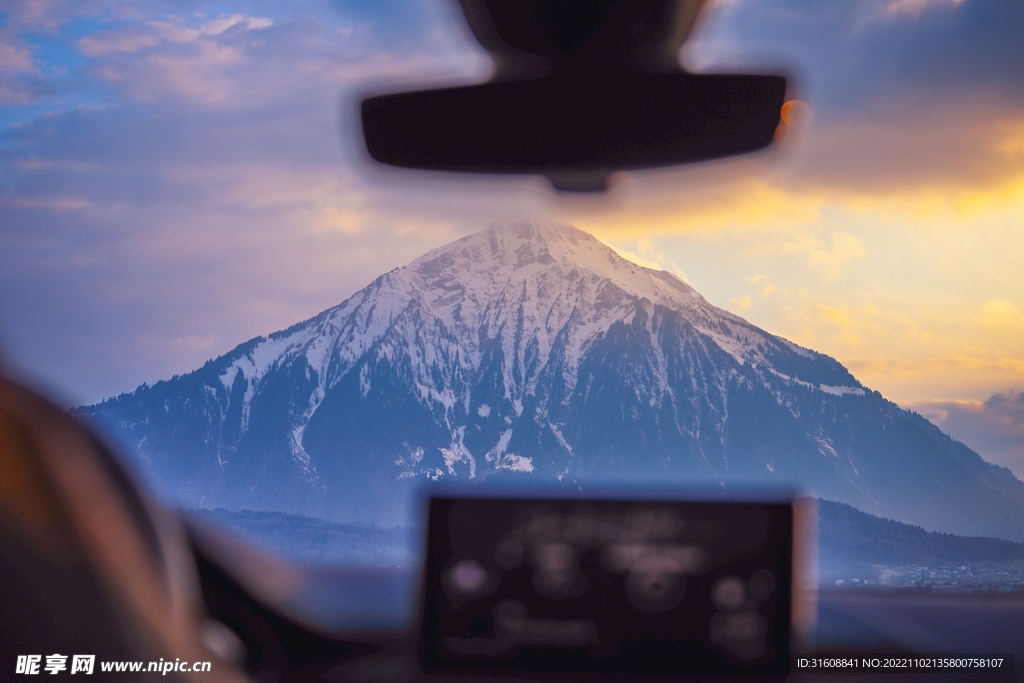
535,354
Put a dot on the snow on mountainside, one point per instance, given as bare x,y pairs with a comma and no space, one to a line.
533,353
504,285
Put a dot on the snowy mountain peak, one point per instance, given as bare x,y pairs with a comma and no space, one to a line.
537,281
534,289
521,295
536,353
547,260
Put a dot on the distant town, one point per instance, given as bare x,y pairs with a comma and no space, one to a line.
969,579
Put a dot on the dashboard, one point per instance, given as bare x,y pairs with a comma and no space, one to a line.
410,623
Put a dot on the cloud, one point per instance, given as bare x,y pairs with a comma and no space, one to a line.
910,96
1001,314
334,219
832,256
16,60
722,198
766,288
99,44
906,367
740,303
847,326
151,51
910,380
646,253
914,8
202,196
219,26
193,172
21,78
210,62
994,427
920,151
848,56
46,15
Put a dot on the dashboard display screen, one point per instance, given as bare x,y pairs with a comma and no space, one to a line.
608,586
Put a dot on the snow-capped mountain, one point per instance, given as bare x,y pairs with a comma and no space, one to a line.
536,353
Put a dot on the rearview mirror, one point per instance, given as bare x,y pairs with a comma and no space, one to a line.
575,130
582,89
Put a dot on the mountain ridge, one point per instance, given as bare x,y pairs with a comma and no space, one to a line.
529,352
849,541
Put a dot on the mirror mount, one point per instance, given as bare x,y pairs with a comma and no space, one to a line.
585,88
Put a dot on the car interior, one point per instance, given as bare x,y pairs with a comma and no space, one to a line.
92,561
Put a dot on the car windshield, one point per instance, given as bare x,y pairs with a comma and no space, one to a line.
287,341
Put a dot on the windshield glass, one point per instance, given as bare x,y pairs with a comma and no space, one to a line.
287,340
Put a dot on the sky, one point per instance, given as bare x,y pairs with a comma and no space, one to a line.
179,177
